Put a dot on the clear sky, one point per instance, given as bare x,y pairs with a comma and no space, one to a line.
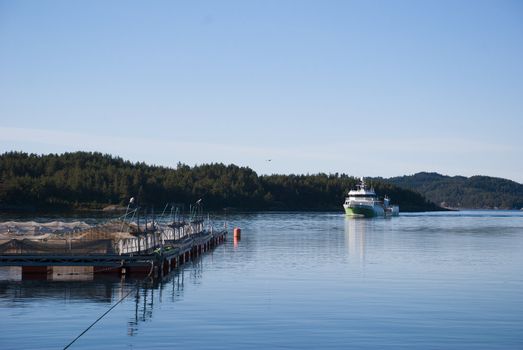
368,88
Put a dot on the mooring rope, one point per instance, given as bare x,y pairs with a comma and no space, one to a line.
138,284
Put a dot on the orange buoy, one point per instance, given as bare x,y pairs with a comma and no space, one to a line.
237,233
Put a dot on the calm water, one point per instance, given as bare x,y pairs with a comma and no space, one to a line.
301,281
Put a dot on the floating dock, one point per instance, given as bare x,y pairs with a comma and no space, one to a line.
153,253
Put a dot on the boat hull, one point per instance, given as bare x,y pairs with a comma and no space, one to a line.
364,211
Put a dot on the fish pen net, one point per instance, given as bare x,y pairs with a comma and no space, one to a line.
56,247
57,238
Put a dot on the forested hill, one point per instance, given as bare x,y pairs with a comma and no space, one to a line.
92,180
476,192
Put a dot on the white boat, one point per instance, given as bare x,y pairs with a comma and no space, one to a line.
365,203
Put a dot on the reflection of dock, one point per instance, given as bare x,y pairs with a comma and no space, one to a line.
355,237
160,261
98,290
107,289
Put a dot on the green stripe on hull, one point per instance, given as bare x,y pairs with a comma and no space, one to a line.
361,211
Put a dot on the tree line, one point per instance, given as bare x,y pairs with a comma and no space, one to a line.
85,180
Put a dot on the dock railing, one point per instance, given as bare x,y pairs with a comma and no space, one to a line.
152,240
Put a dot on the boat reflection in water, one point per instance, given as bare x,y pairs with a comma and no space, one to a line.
355,237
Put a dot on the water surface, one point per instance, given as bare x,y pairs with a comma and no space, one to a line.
301,281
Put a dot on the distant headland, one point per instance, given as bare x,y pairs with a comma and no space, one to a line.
459,192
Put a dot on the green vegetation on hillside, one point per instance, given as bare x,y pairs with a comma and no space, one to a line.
476,192
93,180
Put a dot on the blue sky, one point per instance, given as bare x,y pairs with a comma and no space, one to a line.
368,88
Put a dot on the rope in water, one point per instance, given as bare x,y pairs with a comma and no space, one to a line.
110,309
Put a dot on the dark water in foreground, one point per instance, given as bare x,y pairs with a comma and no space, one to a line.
301,281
